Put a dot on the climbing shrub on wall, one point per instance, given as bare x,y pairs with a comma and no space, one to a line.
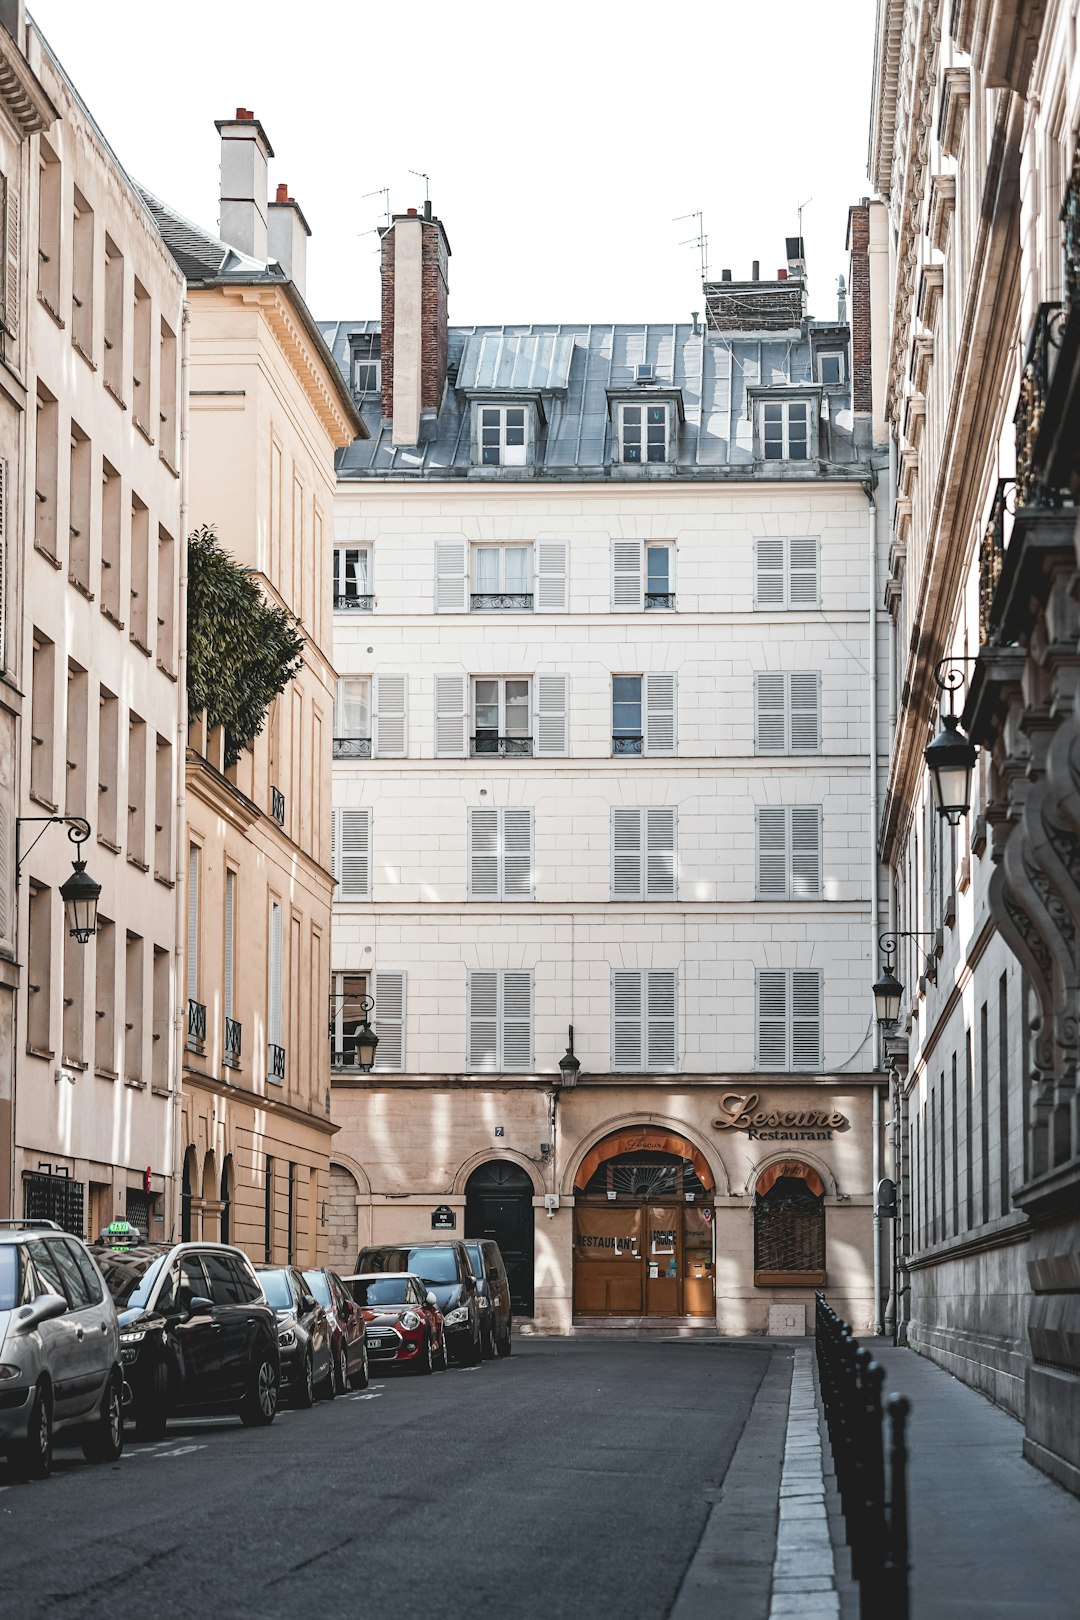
242,651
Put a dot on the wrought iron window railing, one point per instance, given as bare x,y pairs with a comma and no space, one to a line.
352,747
51,1196
489,743
1070,235
353,604
659,599
502,601
277,806
233,1036
991,557
196,1026
628,743
275,1061
1032,487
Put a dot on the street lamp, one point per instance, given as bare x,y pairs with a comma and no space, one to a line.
888,991
79,893
951,757
365,1039
569,1067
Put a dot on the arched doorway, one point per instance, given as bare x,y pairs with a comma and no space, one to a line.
498,1204
643,1227
789,1226
344,1231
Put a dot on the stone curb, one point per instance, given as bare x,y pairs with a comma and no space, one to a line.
804,1569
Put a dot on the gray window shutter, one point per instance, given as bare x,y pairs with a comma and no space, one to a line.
626,1021
11,259
550,558
661,880
806,1020
516,1021
804,586
389,722
659,713
388,992
661,1017
627,575
451,716
805,711
483,1034
551,719
3,560
193,923
772,1019
805,851
770,712
354,854
625,852
517,852
334,843
230,940
274,1030
772,855
483,854
451,576
769,572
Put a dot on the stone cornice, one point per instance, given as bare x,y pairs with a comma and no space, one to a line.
216,790
890,22
21,92
308,367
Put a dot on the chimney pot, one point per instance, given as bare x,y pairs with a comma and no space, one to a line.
243,116
282,192
412,212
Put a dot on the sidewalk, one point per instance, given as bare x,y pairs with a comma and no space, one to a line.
989,1535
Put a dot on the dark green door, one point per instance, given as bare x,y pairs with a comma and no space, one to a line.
498,1205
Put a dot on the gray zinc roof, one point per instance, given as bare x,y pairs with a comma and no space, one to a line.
574,367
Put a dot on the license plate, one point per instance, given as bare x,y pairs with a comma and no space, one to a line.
128,1353
379,1344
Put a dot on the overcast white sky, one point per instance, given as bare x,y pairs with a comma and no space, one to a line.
561,140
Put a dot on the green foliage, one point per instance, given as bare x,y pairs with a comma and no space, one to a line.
242,651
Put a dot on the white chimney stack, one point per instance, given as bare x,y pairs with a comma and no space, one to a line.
245,155
288,236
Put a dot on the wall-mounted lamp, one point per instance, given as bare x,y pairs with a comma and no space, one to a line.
951,757
79,893
888,991
569,1067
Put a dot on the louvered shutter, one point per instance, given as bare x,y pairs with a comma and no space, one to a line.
3,556
483,1037
388,992
483,854
451,716
273,1020
551,719
451,576
805,711
626,1026
806,1020
334,846
625,852
517,852
389,726
660,1020
550,584
660,713
769,572
627,575
354,830
805,852
772,853
660,874
516,1022
772,1019
11,259
230,940
193,923
804,587
770,712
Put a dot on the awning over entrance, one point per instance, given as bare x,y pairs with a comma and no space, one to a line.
797,1170
644,1139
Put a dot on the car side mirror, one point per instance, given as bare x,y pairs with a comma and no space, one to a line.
45,1308
430,1299
198,1305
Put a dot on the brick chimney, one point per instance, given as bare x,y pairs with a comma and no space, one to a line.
245,155
287,233
415,335
862,390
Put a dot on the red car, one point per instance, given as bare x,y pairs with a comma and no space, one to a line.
404,1324
348,1340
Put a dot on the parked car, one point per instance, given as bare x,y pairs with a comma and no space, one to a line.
196,1333
403,1321
348,1340
60,1368
496,1315
444,1268
303,1335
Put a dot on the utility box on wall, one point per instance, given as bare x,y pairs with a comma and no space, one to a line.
787,1321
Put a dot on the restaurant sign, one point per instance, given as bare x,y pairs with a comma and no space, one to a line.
743,1111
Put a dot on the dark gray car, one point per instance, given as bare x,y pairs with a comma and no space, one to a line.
496,1313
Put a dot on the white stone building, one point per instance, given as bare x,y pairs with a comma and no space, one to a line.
607,639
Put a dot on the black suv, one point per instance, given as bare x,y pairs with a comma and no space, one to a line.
444,1269
496,1316
196,1333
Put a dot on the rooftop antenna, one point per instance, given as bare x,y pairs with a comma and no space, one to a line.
801,206
426,178
384,193
700,241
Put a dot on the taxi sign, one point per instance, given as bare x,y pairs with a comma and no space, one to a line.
120,1235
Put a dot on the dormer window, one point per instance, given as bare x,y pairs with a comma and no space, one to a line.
503,435
643,432
785,421
365,353
830,364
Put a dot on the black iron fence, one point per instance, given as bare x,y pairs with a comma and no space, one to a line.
870,1477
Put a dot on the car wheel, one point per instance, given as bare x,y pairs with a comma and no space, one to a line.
360,1379
425,1361
444,1355
341,1370
504,1344
304,1395
32,1457
105,1441
487,1343
260,1402
471,1356
152,1412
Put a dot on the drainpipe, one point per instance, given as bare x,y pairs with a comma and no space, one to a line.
874,897
179,975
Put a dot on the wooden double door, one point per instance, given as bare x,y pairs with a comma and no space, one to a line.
643,1259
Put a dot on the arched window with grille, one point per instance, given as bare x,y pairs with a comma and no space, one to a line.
789,1227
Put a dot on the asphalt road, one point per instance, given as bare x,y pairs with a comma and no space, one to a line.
572,1480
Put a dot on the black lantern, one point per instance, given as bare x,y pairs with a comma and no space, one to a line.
569,1067
888,994
950,759
80,895
364,1040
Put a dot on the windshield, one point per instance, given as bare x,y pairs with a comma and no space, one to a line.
379,1290
275,1285
130,1277
433,1265
9,1277
320,1287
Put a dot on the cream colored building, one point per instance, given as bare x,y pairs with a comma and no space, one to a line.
96,1107
267,409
